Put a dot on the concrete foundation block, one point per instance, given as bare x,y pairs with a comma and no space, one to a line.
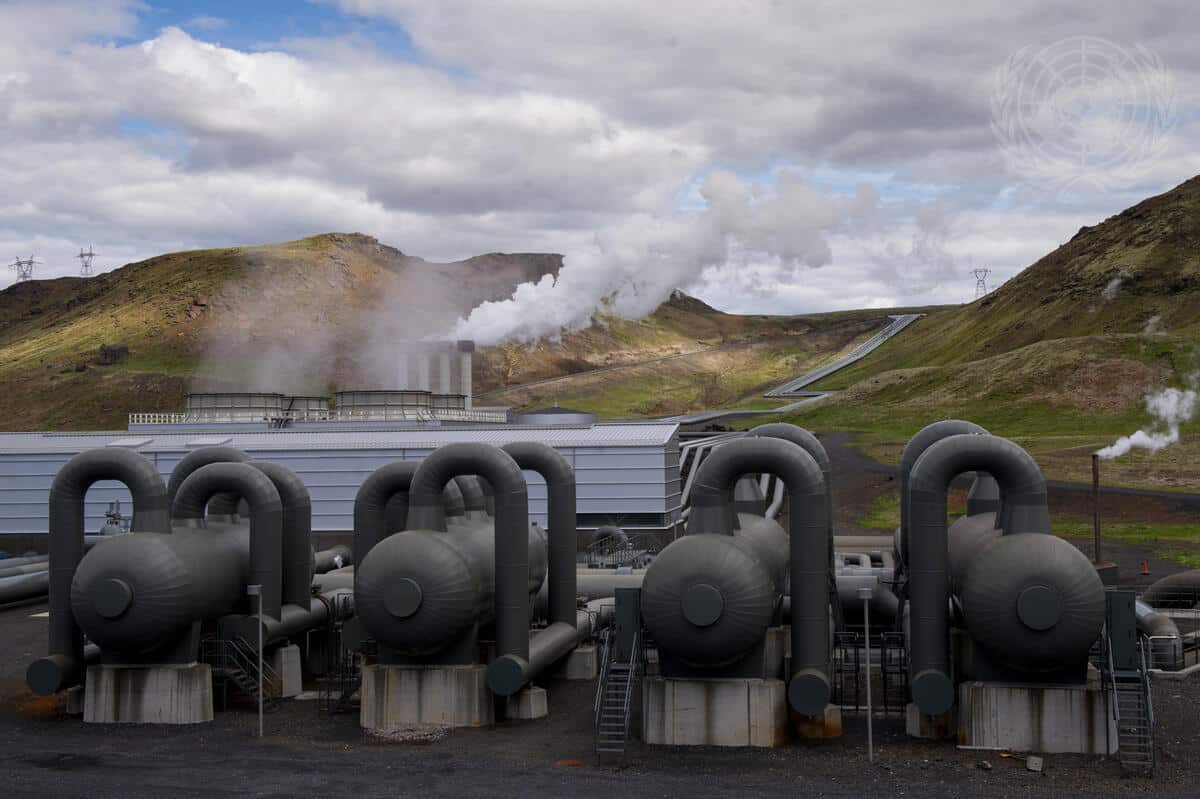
1035,718
582,664
719,712
922,725
148,694
826,725
285,660
528,703
395,697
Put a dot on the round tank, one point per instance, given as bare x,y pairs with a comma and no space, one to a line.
1034,601
708,599
419,590
382,404
555,416
966,538
138,589
220,406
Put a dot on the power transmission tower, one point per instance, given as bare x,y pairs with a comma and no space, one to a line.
981,288
85,262
24,267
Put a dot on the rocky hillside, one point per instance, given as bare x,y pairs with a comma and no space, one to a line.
302,315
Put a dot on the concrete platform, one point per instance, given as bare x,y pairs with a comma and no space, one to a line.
826,725
931,728
582,664
148,694
720,712
528,703
1035,718
395,697
285,660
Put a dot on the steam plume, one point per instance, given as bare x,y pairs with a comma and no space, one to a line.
632,268
1170,408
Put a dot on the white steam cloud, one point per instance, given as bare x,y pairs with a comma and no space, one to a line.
1170,408
632,268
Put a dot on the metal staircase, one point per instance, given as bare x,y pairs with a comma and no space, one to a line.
234,661
1133,712
614,695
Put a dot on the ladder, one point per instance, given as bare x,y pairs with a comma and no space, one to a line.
1133,713
614,696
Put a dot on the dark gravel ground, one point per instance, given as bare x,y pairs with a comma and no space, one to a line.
305,753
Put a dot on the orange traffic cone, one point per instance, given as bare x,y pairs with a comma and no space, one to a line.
1145,569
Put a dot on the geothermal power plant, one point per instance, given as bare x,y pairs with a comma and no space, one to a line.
420,560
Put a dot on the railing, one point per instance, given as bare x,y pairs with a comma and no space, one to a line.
605,658
489,416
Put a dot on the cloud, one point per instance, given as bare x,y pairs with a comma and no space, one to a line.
617,131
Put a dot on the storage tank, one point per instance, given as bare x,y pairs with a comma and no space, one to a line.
234,406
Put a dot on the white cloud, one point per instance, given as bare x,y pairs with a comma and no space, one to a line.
540,126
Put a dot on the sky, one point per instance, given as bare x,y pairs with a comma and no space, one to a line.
767,156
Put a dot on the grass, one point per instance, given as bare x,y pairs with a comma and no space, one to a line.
1176,542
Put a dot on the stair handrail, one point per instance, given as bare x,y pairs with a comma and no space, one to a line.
635,660
602,677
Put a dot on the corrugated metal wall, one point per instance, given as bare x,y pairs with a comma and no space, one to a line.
612,480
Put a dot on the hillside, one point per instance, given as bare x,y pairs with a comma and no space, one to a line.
300,316
1061,357
322,313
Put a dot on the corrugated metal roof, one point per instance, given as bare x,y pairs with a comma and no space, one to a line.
624,434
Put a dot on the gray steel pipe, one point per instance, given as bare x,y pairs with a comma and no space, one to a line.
810,558
923,440
223,507
984,496
63,666
296,619
8,563
20,587
813,446
29,568
1166,644
1024,492
1177,591
562,544
511,497
371,504
296,552
473,496
335,557
507,673
266,519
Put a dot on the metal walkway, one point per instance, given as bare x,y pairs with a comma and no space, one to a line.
794,389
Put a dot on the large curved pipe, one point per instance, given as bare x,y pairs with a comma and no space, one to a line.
507,673
984,496
810,559
1166,645
296,552
371,504
222,507
1177,591
812,445
266,519
916,446
64,664
425,512
474,498
1024,492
